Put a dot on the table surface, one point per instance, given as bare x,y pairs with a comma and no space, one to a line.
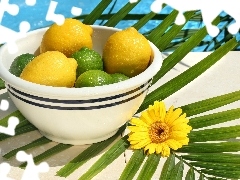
222,78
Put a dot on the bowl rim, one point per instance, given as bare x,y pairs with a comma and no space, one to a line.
135,81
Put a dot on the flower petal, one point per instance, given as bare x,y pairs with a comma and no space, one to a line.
181,120
138,136
137,129
173,115
177,135
156,109
173,144
152,114
159,148
138,122
145,117
184,141
140,144
165,150
182,127
162,111
168,115
151,148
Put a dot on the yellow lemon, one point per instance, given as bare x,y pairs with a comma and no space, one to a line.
51,68
67,38
127,52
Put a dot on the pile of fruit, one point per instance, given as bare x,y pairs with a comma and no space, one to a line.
67,59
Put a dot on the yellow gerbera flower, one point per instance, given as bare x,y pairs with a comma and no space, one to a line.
158,130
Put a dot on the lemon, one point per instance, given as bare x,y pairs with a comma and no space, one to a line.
87,59
117,77
127,52
93,78
67,38
51,68
19,63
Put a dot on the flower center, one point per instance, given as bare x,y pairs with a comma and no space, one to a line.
158,132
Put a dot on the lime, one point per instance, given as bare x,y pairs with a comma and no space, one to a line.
51,68
87,59
93,78
117,77
19,63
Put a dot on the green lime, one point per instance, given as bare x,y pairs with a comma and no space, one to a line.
93,78
87,59
117,77
19,63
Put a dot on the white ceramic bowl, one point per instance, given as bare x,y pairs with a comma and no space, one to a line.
76,115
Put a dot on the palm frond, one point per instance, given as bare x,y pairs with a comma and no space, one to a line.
97,12
190,174
133,165
149,167
168,167
87,154
187,76
215,118
180,53
36,143
116,18
2,84
107,158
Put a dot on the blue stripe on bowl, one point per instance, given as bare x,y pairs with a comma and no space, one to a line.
78,101
78,108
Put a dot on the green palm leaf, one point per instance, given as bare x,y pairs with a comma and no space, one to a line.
2,84
167,167
133,165
201,177
177,171
211,147
187,76
144,20
97,12
209,104
181,52
19,131
223,173
162,27
149,167
35,143
217,166
171,34
190,174
213,157
116,18
50,152
107,158
215,134
87,154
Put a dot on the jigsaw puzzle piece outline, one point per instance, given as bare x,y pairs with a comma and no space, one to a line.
76,11
4,171
31,171
11,36
30,2
10,129
208,13
4,105
12,9
51,16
